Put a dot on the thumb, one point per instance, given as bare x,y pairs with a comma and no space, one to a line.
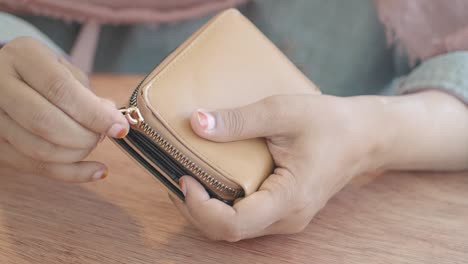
272,116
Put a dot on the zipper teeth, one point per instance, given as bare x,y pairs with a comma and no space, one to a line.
181,158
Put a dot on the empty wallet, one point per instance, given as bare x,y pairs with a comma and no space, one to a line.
225,64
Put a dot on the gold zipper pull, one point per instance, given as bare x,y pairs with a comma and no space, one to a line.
133,115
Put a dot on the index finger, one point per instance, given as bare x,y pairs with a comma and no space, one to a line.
42,70
248,218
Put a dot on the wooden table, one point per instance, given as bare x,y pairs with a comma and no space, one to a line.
128,218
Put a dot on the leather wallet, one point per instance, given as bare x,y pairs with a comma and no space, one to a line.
227,63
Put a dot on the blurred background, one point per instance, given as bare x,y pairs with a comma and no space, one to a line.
340,45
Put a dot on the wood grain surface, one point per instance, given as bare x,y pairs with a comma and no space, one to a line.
128,218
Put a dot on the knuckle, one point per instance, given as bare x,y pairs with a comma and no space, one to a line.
89,142
19,43
56,89
279,106
294,108
229,232
39,167
299,227
210,236
44,153
297,193
41,122
274,101
302,199
287,183
9,135
9,48
81,155
234,121
52,153
15,49
300,205
232,234
95,120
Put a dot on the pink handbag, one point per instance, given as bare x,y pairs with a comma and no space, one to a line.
93,13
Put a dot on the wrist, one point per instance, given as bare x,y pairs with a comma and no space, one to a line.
421,131
378,121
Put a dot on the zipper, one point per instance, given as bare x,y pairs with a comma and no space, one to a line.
136,120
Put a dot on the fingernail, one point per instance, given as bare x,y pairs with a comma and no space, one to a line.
117,131
182,186
206,120
99,175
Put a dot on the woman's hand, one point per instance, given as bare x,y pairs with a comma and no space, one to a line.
318,144
50,121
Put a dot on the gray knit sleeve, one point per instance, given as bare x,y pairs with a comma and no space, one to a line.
448,72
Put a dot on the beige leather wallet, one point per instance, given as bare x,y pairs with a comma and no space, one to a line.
227,63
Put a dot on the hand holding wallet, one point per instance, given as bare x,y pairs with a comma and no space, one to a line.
227,63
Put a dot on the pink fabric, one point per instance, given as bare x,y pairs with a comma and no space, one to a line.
422,28
425,28
95,12
84,49
119,11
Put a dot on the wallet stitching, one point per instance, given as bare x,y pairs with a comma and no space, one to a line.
165,71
